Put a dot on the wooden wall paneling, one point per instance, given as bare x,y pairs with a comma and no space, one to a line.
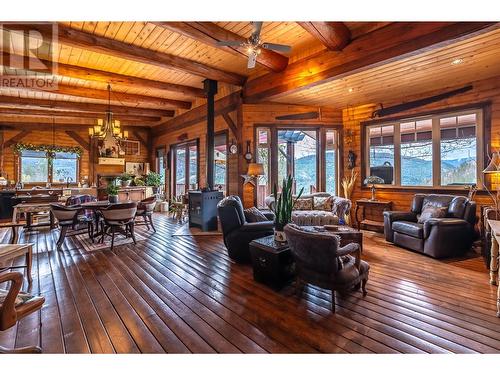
17,138
485,91
79,139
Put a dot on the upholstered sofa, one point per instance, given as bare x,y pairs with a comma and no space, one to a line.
318,215
447,236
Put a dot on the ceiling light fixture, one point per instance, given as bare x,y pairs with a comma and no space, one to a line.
108,127
350,89
457,61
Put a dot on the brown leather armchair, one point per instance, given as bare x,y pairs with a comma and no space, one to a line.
15,305
438,238
319,260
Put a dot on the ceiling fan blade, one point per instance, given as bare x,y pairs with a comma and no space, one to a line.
228,43
277,47
252,59
257,27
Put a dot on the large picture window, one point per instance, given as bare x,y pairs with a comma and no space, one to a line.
44,167
310,156
438,150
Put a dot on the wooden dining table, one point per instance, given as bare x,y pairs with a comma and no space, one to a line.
96,206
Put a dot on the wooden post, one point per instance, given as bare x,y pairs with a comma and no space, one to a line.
211,90
1,151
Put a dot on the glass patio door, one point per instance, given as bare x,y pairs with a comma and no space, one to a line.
184,168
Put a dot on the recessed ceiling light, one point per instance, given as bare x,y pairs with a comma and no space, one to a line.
457,61
350,89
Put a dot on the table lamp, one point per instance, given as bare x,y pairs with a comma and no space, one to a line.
255,170
372,180
493,168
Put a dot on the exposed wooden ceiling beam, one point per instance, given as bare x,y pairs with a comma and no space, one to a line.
88,74
47,112
394,42
198,114
85,92
17,138
47,126
79,139
99,44
334,35
209,33
86,107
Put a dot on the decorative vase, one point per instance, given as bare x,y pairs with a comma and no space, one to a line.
113,198
279,233
125,183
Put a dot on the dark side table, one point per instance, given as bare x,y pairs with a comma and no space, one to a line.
272,262
376,208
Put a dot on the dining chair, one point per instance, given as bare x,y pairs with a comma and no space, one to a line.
67,217
15,305
145,209
119,217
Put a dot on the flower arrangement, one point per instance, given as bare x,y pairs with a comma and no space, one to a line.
49,149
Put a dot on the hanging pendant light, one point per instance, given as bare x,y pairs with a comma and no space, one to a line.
107,125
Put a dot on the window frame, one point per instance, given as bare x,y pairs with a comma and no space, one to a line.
321,130
173,160
483,134
50,171
224,133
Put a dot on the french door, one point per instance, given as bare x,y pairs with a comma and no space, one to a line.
309,155
185,157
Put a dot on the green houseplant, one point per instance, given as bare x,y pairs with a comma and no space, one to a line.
125,179
153,179
283,207
112,191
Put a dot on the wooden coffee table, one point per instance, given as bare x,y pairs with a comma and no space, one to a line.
272,262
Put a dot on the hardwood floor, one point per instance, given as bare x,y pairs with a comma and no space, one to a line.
183,294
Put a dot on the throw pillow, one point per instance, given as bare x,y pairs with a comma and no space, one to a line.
323,203
429,212
304,204
253,215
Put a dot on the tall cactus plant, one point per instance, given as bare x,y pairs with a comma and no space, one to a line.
284,203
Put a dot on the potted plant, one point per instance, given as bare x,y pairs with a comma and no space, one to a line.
153,179
125,179
283,207
112,191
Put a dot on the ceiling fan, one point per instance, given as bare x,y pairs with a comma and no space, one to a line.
253,45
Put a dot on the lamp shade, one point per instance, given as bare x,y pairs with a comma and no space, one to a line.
494,164
255,169
370,180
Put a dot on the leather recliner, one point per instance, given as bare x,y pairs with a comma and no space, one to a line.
437,237
237,232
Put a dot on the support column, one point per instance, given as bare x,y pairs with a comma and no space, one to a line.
210,87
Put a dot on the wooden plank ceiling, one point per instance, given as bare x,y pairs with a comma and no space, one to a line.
155,69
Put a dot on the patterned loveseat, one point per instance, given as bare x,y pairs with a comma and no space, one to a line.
318,209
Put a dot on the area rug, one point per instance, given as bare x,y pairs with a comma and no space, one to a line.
186,231
85,242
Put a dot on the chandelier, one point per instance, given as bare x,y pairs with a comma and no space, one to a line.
107,127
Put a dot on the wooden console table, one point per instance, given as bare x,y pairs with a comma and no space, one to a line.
375,205
10,252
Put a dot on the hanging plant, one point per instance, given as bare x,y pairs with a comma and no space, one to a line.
49,149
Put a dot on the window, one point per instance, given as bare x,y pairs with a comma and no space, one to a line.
429,151
263,139
220,160
64,167
42,167
34,167
161,163
184,167
308,155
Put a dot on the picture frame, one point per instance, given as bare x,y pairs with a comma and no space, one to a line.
135,169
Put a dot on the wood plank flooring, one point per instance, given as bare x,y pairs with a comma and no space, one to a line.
184,295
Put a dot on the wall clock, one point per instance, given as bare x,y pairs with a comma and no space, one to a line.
248,155
233,148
